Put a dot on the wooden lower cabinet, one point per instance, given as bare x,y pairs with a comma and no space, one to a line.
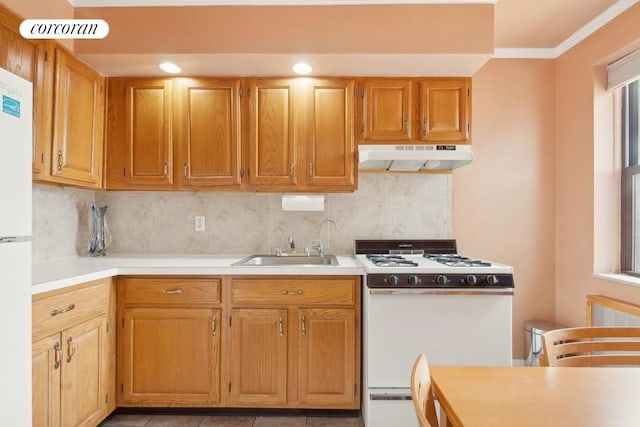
70,367
239,341
326,356
170,356
259,362
295,342
169,341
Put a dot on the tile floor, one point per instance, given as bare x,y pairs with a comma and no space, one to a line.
131,420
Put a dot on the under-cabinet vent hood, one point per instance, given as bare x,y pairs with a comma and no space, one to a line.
414,157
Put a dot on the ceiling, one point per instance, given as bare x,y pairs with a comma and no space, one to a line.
521,29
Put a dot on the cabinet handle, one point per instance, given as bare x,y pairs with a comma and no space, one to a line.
425,126
291,166
58,355
60,161
55,311
214,325
280,326
310,169
296,292
185,170
172,291
71,349
304,326
406,125
166,170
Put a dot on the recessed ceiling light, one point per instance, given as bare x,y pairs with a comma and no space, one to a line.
302,68
170,67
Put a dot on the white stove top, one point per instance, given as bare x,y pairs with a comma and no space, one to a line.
428,266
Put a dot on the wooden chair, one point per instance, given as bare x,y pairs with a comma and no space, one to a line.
421,393
593,346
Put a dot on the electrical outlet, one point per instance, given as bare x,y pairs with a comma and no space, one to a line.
200,224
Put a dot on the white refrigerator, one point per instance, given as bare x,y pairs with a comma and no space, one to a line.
15,249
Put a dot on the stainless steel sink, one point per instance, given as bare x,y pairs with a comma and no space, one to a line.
287,260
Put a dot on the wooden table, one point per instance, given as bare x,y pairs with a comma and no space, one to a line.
541,397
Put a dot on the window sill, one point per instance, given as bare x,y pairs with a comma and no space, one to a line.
620,278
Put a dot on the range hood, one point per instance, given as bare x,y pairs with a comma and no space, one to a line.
413,157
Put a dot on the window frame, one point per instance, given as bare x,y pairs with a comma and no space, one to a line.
630,118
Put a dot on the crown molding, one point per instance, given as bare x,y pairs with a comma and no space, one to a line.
524,53
150,3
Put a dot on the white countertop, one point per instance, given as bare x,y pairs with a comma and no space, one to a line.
60,273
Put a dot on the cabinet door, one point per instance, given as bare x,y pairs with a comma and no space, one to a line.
27,59
78,122
170,356
208,128
83,379
46,366
329,133
272,139
445,110
17,54
259,357
147,144
327,357
386,110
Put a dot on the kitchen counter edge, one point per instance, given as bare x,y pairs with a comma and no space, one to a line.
61,273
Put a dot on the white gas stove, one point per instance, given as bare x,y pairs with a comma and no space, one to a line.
420,296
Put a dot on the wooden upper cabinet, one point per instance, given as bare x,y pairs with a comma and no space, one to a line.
330,146
435,110
148,132
301,135
272,137
207,128
445,110
385,110
28,59
139,138
78,122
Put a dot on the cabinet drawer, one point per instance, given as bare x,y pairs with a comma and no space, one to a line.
58,310
171,291
294,291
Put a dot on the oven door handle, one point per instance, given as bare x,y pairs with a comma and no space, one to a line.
438,292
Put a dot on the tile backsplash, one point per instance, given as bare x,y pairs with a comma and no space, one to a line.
384,206
61,222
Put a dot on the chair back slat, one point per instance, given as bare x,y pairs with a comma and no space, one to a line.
421,393
593,346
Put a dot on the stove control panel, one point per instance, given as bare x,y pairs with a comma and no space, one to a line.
439,280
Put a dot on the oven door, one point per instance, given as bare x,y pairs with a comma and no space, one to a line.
451,327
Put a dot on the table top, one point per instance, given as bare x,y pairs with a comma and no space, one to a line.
536,396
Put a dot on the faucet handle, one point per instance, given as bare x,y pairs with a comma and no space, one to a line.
317,246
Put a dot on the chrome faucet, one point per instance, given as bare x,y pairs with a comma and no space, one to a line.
292,245
318,246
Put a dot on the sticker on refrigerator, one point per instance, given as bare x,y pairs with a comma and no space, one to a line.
10,106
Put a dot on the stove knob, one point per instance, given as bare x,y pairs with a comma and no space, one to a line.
442,280
393,280
471,279
414,280
492,280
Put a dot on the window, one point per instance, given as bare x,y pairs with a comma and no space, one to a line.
630,238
